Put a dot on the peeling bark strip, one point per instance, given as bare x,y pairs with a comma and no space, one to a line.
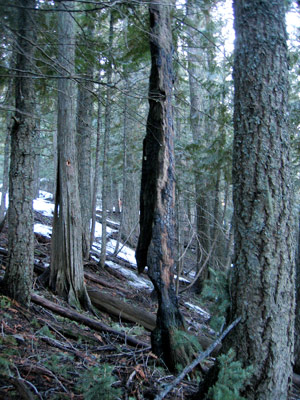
18,277
156,241
263,282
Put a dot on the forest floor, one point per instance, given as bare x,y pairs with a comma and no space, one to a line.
52,351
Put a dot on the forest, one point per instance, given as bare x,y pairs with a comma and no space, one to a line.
149,217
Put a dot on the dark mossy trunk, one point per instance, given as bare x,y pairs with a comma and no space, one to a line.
17,281
157,229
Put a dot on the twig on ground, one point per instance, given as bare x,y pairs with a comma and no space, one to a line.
200,358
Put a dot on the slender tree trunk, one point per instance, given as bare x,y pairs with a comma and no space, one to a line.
263,282
84,137
197,69
9,122
106,145
124,178
156,242
5,179
18,276
96,170
66,275
37,162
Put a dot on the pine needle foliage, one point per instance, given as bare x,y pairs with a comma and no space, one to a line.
216,293
231,378
96,384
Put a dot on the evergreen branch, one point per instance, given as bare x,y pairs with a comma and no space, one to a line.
200,358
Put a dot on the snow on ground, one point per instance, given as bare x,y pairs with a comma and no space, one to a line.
43,230
98,230
45,195
182,279
126,253
137,282
6,199
205,315
44,207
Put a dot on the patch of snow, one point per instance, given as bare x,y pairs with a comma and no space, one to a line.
45,195
44,207
133,280
117,224
43,230
205,315
6,199
98,230
126,253
182,279
97,248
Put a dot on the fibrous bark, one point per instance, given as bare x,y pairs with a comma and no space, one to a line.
84,137
263,274
18,277
66,277
156,242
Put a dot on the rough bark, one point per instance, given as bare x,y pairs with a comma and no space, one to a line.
66,277
297,312
18,276
263,274
156,241
84,136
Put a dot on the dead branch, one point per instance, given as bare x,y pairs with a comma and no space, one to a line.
76,316
200,358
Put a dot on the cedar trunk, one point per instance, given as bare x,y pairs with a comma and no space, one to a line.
84,137
66,276
263,274
156,242
18,276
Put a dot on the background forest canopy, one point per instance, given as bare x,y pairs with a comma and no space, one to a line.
204,39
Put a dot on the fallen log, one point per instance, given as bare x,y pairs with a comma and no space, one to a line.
115,306
82,319
97,279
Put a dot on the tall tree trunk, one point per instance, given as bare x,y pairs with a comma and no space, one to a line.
5,178
156,242
197,70
66,276
106,144
263,282
297,317
84,138
124,172
18,276
96,169
9,122
36,183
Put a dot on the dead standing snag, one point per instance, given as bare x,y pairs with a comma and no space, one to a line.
156,241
